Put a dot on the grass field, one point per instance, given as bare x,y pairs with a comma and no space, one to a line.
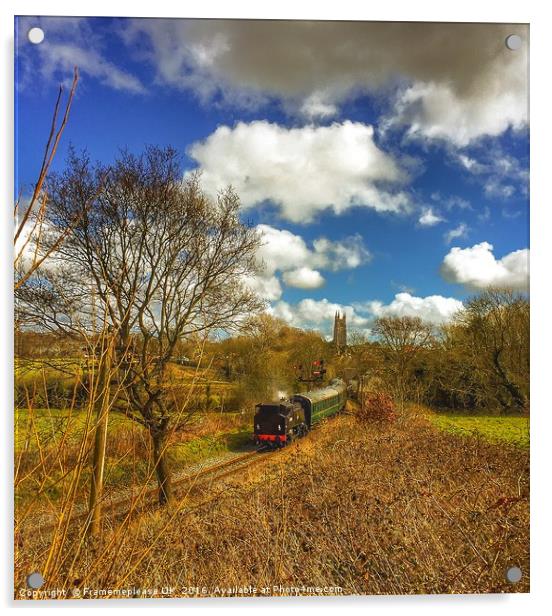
509,429
34,371
48,440
47,443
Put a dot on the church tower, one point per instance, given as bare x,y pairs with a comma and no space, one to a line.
340,331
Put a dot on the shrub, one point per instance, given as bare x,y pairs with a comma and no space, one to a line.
54,392
378,407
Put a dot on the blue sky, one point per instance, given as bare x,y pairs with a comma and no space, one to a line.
386,166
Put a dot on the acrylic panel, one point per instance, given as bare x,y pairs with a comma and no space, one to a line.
271,308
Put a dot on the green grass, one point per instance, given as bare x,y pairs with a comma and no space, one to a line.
37,373
56,433
206,447
509,429
51,424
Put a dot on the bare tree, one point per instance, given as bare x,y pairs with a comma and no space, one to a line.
492,337
159,259
402,339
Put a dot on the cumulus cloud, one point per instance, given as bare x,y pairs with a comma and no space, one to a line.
458,232
477,268
281,249
346,254
429,218
433,308
304,278
435,111
266,287
70,42
286,253
25,249
457,81
317,314
303,171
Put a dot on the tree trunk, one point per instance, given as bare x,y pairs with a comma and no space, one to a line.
519,399
103,404
162,470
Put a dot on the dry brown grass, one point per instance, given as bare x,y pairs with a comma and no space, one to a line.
396,508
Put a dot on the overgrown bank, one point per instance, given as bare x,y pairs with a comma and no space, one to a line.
396,508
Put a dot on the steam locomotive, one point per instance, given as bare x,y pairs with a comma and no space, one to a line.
278,423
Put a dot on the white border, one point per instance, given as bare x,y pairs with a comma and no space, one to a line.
534,12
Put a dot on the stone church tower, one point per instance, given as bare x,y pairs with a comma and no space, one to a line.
340,331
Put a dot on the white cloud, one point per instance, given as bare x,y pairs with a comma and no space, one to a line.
304,278
60,58
494,188
458,232
435,111
451,202
485,215
501,174
468,163
512,215
317,314
33,238
335,256
316,106
25,249
69,42
477,268
282,251
266,287
303,171
433,308
429,218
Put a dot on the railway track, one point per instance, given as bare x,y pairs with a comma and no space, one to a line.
136,501
140,499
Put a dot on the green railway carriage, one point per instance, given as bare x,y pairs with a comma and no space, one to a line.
278,423
321,403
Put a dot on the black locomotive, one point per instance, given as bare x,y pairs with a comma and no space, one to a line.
278,423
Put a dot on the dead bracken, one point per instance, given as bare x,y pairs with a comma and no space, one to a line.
398,508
